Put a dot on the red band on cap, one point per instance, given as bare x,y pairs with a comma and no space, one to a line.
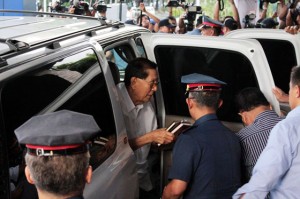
211,24
53,148
197,84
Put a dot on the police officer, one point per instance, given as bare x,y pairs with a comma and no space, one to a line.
210,27
57,155
206,157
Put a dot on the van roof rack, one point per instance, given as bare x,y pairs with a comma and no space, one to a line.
101,20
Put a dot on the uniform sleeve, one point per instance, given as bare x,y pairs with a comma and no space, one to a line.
272,164
186,156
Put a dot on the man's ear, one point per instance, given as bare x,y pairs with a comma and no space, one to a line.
28,175
133,81
298,91
189,102
220,103
88,176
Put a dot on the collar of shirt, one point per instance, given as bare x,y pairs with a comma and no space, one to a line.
264,114
205,118
128,102
293,113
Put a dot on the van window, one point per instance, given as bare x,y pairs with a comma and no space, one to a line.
140,48
120,56
231,67
30,93
281,57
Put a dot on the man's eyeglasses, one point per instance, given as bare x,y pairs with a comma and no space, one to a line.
151,83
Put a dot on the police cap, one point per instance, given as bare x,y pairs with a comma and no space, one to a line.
200,82
59,133
210,23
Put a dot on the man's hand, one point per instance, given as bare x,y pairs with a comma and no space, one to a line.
142,7
280,95
292,29
161,136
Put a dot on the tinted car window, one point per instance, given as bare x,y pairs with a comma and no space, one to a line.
231,67
281,57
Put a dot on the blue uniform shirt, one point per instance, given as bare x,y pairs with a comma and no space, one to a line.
208,158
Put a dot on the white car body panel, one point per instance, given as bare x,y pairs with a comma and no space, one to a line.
273,34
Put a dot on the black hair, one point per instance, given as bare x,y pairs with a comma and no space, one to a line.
295,76
250,98
141,16
171,18
137,68
218,30
206,98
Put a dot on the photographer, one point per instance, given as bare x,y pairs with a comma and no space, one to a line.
56,7
78,7
146,19
99,9
293,13
234,11
165,26
245,7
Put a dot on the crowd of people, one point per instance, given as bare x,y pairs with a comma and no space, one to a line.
245,14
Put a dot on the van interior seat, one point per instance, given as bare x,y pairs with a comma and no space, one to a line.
114,71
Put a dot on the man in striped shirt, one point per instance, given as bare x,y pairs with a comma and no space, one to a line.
259,120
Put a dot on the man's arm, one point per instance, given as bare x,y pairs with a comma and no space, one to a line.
159,136
216,11
235,13
142,7
174,189
181,24
273,163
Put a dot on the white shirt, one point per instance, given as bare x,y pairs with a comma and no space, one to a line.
244,7
139,120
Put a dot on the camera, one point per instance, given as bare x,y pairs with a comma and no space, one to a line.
248,20
192,11
100,6
57,7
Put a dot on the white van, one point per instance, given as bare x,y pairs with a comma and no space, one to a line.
48,64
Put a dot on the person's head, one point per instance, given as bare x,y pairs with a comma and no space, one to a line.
229,25
59,175
172,21
294,92
202,93
250,102
269,23
210,27
145,21
165,26
58,156
141,80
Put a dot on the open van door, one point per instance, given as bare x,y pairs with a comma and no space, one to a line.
239,63
282,51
